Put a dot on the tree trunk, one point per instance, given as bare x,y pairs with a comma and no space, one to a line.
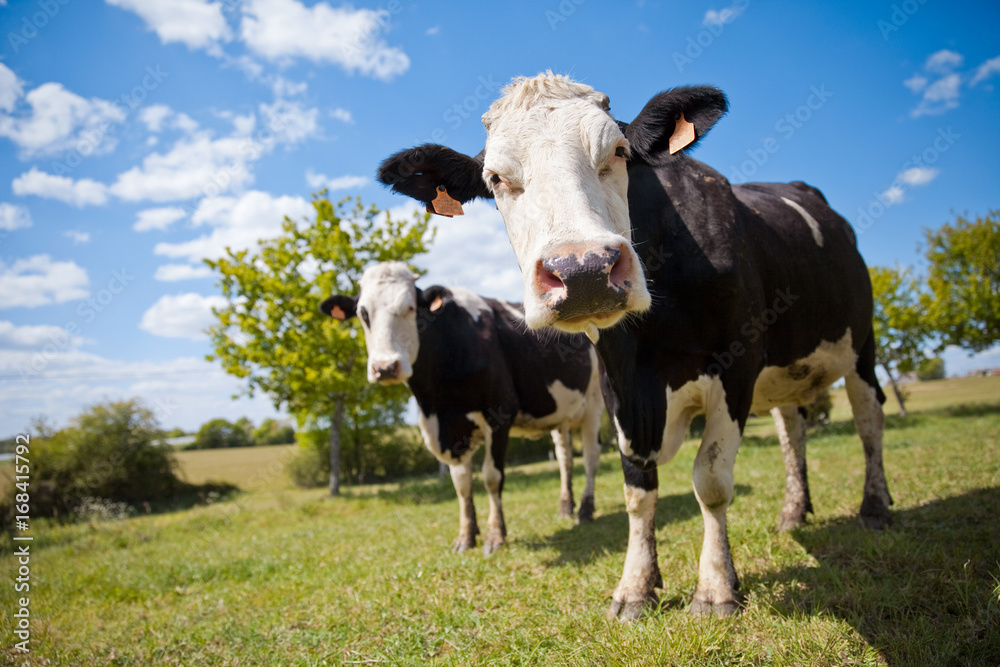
335,422
895,390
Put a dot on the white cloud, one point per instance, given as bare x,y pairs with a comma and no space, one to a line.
237,223
917,176
433,30
77,237
175,272
916,83
154,116
14,217
157,218
198,24
342,115
343,36
894,195
943,61
194,166
939,97
58,120
986,70
289,121
39,281
181,315
724,15
318,181
11,88
77,193
35,336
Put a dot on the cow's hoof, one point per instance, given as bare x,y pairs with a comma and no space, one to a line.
790,520
492,543
709,608
566,509
627,611
464,544
586,513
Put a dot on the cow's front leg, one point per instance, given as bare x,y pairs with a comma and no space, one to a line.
713,486
461,477
791,428
634,593
563,442
493,464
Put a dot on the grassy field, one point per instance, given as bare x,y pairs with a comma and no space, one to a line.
277,576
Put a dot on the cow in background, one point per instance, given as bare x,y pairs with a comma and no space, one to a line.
479,376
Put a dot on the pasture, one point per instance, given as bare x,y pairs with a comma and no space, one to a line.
276,575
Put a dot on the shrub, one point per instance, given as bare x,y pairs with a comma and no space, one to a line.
220,433
106,453
931,369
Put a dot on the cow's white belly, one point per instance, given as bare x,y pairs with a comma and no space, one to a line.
801,382
570,406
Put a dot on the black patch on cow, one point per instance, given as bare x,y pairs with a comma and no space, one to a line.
649,134
798,371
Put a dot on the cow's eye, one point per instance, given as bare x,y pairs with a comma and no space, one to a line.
364,316
620,151
495,179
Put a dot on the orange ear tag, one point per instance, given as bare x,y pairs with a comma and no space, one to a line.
444,205
337,313
683,135
436,303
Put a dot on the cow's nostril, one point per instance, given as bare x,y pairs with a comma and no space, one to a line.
548,275
621,270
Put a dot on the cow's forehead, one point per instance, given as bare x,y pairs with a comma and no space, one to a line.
386,284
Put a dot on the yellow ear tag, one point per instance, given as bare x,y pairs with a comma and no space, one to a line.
436,303
444,205
683,135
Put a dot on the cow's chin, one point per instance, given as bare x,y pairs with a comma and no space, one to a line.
548,318
386,382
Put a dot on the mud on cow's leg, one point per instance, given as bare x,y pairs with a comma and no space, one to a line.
563,441
791,427
461,477
634,593
713,487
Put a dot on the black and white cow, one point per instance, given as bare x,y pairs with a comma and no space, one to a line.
479,376
709,297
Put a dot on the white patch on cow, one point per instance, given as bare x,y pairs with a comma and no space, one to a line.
811,221
801,382
641,572
492,477
430,429
514,312
624,442
704,394
570,407
389,297
471,302
560,187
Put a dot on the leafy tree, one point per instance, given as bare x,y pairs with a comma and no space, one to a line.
900,327
220,433
964,282
272,332
931,369
274,432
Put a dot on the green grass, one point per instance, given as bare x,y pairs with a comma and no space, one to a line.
281,576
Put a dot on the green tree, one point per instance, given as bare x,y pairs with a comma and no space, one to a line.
272,334
931,369
274,432
901,330
221,433
964,282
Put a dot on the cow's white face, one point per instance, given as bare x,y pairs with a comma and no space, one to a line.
387,308
555,161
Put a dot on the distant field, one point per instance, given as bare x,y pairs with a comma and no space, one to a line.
280,576
250,468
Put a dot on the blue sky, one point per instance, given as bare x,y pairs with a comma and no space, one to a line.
138,137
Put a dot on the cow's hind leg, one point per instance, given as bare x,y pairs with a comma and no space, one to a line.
591,446
791,427
713,486
563,441
461,477
866,399
634,593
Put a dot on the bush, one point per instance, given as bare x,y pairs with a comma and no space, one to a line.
107,453
220,433
272,432
931,369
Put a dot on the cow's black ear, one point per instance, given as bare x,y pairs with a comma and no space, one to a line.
673,121
418,172
340,307
433,297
